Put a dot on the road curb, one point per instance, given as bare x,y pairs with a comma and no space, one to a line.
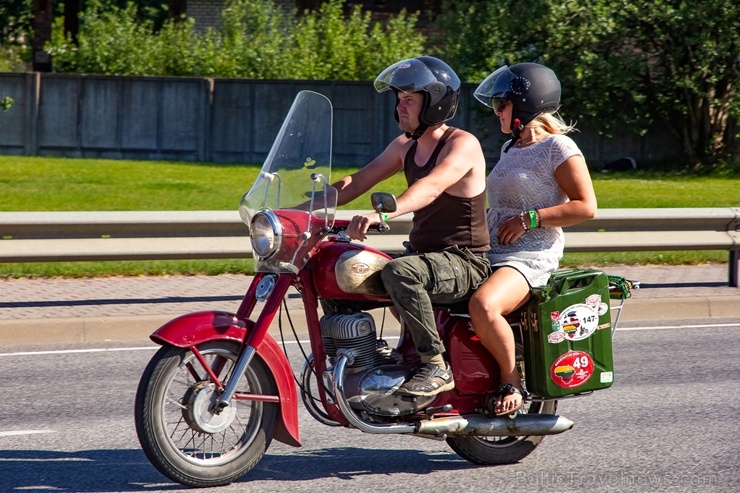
675,308
138,328
77,330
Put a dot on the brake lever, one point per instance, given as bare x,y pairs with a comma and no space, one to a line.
383,225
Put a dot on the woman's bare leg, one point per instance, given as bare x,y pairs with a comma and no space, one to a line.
504,291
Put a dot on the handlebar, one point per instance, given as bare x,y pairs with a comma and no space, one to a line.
342,224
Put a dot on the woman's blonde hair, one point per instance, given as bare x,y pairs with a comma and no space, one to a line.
553,123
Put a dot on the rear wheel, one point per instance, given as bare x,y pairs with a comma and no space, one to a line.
175,424
501,450
504,450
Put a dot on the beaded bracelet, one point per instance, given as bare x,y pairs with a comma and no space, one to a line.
524,223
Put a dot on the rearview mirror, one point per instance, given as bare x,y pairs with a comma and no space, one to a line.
383,202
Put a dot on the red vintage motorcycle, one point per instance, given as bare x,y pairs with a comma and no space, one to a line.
220,388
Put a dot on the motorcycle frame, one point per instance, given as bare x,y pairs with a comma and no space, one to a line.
188,331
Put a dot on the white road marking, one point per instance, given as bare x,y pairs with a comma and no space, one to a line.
73,351
662,327
23,432
152,348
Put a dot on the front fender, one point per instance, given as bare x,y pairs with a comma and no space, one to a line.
199,327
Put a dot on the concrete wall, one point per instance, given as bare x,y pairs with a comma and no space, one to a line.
233,120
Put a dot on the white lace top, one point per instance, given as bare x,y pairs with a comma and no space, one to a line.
524,179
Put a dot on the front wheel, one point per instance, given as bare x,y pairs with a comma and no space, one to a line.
175,424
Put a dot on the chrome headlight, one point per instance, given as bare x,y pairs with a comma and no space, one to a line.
266,234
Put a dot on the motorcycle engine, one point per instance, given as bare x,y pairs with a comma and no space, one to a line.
375,370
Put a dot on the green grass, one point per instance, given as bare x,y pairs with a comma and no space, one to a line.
643,189
56,184
62,184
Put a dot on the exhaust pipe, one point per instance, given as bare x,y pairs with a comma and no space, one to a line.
455,426
480,425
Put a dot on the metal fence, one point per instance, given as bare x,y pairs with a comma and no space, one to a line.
236,120
85,236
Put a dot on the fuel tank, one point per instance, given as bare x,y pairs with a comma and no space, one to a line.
350,271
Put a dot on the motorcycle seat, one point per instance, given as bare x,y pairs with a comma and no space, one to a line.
459,308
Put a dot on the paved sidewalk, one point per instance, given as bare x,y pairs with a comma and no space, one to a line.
130,308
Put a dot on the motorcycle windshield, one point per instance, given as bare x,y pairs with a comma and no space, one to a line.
294,185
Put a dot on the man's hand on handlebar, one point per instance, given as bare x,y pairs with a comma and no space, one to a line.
360,224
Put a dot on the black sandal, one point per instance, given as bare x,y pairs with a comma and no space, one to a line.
503,391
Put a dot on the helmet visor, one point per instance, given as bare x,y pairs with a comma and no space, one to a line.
496,86
410,75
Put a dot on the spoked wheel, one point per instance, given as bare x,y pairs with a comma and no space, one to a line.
177,428
504,450
488,451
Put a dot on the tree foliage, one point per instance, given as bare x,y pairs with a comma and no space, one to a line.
623,63
330,45
690,66
15,20
15,30
256,39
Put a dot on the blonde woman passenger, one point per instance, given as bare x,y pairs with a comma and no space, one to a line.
540,185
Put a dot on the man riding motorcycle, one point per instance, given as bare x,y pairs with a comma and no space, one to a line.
445,171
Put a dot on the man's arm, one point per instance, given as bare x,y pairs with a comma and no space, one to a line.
462,157
381,168
452,174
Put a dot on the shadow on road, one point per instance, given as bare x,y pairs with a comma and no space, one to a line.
129,470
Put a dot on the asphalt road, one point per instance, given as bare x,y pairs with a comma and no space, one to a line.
669,423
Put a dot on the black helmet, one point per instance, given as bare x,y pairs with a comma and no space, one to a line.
427,75
531,87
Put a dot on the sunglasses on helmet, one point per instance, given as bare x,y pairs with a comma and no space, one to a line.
498,104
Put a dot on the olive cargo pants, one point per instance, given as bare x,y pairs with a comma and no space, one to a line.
416,281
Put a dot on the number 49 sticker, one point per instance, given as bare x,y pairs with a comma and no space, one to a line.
572,369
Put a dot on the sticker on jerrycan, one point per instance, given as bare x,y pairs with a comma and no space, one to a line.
568,348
